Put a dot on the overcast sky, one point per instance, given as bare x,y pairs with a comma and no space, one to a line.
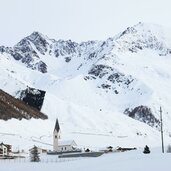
78,20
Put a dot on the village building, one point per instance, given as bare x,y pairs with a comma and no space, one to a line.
65,146
62,146
56,136
39,149
5,149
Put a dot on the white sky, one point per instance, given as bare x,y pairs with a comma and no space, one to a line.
78,20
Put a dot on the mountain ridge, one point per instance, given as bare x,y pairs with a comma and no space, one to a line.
90,80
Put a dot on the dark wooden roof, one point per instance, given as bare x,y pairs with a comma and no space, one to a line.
11,107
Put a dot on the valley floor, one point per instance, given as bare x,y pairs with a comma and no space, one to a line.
126,161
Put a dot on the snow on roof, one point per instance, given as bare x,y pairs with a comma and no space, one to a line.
2,144
66,143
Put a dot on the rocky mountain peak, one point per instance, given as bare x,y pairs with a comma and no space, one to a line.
138,37
36,35
142,36
40,42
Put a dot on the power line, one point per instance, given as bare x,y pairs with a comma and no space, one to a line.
161,120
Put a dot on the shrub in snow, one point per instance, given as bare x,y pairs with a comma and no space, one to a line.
34,155
169,149
87,150
146,150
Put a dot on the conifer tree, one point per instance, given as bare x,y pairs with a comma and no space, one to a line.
146,150
34,155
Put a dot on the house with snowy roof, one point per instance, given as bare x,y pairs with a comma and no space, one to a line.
68,145
62,146
3,150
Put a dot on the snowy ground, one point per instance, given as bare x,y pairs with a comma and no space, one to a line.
127,161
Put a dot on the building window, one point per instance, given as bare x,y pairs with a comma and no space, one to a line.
55,136
5,151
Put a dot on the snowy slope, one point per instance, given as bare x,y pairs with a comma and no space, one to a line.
90,85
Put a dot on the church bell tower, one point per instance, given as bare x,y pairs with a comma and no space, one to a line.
56,136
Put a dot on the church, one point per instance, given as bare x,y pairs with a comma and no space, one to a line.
62,146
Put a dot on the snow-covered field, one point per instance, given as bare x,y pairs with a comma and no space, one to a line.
124,161
24,138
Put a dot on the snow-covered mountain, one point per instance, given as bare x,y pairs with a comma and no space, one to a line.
103,92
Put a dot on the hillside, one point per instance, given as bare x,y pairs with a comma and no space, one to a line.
108,91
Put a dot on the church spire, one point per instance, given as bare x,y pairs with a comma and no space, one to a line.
57,128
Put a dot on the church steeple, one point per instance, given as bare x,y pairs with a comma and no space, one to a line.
57,128
56,135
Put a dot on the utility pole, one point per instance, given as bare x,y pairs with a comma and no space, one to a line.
161,122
